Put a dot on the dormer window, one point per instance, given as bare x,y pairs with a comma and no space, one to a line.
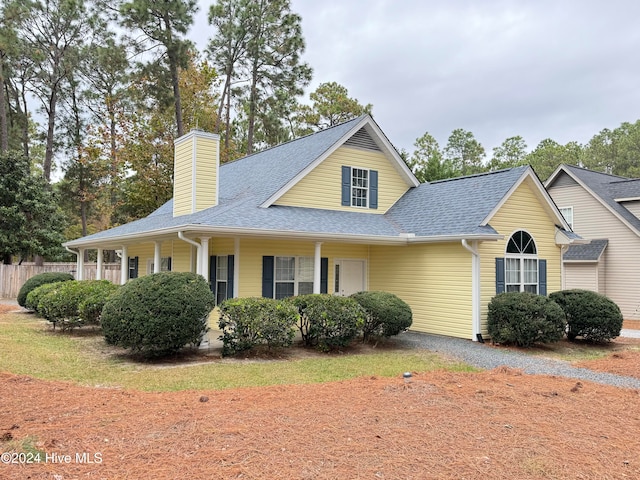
359,187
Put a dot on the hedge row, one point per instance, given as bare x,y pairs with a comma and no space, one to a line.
70,304
325,321
523,319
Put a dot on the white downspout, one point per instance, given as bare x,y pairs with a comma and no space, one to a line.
77,256
198,246
563,250
475,288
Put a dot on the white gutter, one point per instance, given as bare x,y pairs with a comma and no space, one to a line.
195,244
475,288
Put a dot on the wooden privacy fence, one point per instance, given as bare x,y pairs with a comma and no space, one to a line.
12,277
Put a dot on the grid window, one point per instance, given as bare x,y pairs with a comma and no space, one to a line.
293,276
222,273
521,264
567,213
359,187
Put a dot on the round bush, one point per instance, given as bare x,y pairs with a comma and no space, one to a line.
328,321
35,297
248,322
158,314
387,314
524,319
95,296
590,315
41,279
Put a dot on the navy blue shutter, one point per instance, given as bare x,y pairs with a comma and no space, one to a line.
267,276
346,186
169,264
324,275
230,276
542,277
133,272
373,189
212,273
499,275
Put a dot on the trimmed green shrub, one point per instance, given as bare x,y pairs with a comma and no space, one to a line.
249,322
524,319
328,321
61,305
590,315
41,279
35,296
158,314
96,295
387,314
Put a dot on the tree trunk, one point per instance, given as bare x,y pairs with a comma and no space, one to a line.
173,65
252,109
48,156
4,131
114,161
6,259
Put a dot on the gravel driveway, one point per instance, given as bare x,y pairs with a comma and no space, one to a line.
484,356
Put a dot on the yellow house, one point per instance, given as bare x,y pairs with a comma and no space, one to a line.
339,212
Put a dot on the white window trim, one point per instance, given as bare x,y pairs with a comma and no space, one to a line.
367,189
571,223
296,280
151,263
522,257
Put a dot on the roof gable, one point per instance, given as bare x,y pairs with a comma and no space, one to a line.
363,133
607,189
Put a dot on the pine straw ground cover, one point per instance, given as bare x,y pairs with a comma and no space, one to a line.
493,424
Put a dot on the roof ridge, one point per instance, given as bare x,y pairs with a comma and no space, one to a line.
294,140
473,175
577,167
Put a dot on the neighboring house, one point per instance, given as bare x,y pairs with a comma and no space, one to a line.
606,210
338,211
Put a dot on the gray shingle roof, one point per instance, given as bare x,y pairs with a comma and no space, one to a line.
455,207
608,188
589,252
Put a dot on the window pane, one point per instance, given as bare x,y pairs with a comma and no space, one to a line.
531,288
285,269
164,264
284,290
512,270
530,271
305,269
222,262
305,288
360,186
521,242
337,279
221,292
513,288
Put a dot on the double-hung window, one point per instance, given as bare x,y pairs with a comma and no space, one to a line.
521,264
165,265
293,276
567,213
359,187
222,280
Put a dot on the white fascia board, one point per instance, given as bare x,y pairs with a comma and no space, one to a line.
628,199
551,207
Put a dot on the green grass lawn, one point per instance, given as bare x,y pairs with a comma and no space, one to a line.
28,346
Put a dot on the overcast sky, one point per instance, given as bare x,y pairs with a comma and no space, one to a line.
560,69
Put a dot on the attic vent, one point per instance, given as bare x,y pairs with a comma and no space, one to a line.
362,139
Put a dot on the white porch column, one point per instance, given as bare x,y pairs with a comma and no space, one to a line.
124,265
99,265
316,268
204,257
157,267
236,268
80,265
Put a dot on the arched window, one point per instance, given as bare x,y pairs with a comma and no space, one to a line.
521,263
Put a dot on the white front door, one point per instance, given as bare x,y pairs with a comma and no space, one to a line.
349,275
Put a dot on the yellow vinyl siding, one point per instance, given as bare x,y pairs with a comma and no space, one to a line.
141,250
252,251
182,191
206,172
322,187
434,279
182,258
522,211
